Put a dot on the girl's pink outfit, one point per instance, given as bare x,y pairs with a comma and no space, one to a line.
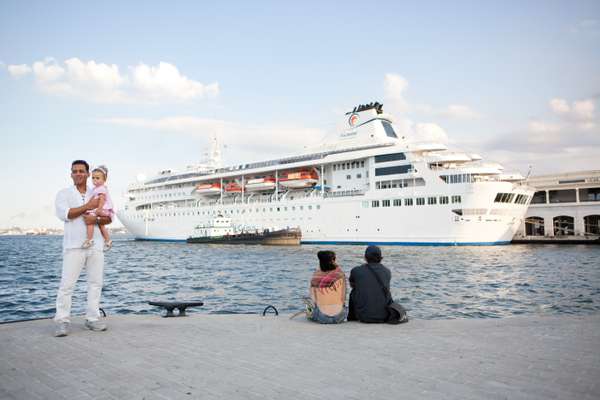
107,209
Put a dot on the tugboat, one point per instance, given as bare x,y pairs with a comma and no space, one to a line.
221,231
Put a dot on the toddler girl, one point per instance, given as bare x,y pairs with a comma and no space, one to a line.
105,207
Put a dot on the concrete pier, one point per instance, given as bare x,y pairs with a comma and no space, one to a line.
254,357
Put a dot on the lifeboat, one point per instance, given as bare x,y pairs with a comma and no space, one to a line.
207,189
233,187
258,184
299,179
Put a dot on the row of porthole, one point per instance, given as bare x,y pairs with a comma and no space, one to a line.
225,212
419,201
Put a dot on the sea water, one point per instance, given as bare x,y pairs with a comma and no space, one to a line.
432,282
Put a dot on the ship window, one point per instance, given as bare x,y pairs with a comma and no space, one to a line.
334,167
385,203
408,202
562,196
389,157
347,165
397,202
362,164
348,176
539,197
365,204
377,185
293,208
358,176
310,207
302,207
388,129
431,200
456,199
398,169
589,194
318,207
420,201
443,199
344,166
375,203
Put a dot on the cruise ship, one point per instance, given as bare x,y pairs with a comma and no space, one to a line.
370,185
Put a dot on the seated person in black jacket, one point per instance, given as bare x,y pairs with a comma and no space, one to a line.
368,303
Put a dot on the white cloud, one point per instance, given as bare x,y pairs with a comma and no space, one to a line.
584,110
105,83
165,80
460,111
394,87
579,115
244,141
19,70
430,132
560,106
542,127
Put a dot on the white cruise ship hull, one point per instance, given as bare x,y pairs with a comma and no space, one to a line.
353,220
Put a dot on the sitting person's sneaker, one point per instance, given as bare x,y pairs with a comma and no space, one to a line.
97,326
107,245
87,244
62,329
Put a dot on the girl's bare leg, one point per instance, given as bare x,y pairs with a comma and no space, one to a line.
104,232
90,231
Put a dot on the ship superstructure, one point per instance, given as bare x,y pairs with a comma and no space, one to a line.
369,186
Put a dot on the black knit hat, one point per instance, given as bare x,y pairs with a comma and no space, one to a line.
373,253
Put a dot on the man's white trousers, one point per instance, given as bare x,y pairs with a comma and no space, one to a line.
73,262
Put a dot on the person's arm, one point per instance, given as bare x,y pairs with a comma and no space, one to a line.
101,201
64,213
351,279
78,211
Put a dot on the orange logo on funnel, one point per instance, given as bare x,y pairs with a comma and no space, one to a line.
353,120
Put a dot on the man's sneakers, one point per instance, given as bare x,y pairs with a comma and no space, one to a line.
107,245
62,329
87,244
97,326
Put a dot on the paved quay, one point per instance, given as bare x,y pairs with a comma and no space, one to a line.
255,357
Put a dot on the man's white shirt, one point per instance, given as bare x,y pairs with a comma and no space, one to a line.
75,231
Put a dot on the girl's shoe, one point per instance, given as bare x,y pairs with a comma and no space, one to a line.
107,245
87,244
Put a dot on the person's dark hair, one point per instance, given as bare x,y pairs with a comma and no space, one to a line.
373,254
81,162
326,260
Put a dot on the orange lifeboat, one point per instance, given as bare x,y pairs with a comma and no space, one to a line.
258,184
299,179
233,187
206,189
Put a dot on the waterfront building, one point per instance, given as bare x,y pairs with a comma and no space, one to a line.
563,205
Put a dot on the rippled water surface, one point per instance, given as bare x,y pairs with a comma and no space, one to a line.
433,282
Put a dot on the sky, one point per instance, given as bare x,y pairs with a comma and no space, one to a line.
142,86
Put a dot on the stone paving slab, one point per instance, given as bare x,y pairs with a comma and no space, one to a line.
254,357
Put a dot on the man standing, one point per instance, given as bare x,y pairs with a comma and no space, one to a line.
71,206
368,302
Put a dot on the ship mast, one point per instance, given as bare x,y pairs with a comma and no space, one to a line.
214,157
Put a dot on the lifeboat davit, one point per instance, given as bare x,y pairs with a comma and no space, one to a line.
299,179
233,187
207,189
258,184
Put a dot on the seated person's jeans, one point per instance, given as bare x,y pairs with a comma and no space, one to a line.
318,316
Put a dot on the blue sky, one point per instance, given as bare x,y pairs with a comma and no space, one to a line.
141,86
